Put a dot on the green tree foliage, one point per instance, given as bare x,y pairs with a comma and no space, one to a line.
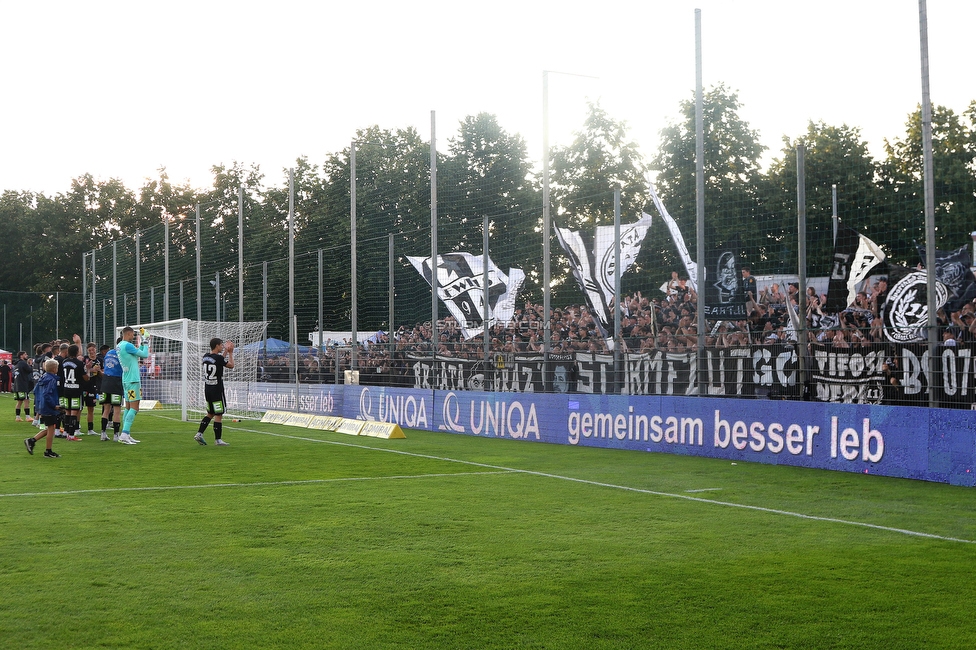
833,156
954,174
585,174
733,180
487,175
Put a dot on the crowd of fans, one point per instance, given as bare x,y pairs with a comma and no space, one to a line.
667,322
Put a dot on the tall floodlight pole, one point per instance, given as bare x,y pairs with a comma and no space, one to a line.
700,200
240,255
486,285
835,218
321,325
165,267
546,226
354,271
292,319
57,314
216,284
138,281
801,246
618,308
199,277
94,283
433,234
391,294
84,301
115,287
264,306
929,188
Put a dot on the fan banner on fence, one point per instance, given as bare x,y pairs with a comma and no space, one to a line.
906,310
952,269
593,265
690,267
854,257
723,290
874,373
460,286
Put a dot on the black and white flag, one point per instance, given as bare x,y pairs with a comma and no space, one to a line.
460,286
723,284
952,270
854,257
593,263
906,311
679,241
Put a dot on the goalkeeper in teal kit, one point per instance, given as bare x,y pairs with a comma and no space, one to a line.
129,356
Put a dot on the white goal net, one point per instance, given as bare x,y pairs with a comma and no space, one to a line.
173,373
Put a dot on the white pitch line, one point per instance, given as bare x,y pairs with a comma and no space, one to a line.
727,504
161,488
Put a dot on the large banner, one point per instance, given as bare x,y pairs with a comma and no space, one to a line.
724,299
878,373
891,441
594,264
460,286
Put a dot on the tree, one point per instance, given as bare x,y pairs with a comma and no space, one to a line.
832,156
487,174
584,176
733,180
954,175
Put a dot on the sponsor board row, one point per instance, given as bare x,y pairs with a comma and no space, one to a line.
900,441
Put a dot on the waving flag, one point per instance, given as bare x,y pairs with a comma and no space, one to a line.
952,270
679,241
854,257
460,286
593,263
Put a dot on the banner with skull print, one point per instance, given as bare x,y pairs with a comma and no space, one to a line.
460,286
724,299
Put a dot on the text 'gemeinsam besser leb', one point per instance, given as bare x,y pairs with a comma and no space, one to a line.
849,443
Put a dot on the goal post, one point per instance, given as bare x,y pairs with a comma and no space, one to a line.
173,373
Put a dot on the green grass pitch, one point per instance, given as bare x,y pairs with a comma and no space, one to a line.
292,538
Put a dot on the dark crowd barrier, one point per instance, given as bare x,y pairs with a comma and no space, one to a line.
869,374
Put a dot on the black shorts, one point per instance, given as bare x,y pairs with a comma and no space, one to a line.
90,399
216,402
48,420
72,400
21,395
111,390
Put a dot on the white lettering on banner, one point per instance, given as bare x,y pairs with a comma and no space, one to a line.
405,410
636,427
849,444
758,436
505,418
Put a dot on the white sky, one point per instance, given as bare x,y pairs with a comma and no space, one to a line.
119,89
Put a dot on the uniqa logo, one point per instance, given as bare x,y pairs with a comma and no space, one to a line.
405,410
452,414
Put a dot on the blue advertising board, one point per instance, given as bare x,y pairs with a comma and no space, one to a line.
900,441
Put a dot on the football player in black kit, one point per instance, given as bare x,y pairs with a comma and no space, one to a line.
93,386
74,378
221,356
